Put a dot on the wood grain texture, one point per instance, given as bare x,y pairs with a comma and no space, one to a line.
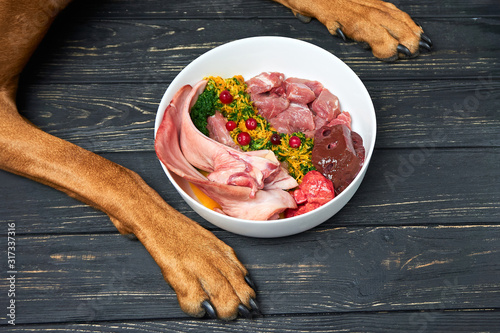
108,277
248,9
415,250
149,51
432,321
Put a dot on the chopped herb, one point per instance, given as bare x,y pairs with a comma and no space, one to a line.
202,109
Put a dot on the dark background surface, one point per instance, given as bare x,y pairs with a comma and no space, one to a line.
416,249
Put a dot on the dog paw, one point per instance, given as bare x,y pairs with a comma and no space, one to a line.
388,31
205,273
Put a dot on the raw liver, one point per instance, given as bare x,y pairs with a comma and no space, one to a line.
335,155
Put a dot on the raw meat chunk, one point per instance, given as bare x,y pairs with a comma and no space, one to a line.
270,104
344,118
216,126
315,86
299,93
296,118
314,188
335,157
264,82
326,105
314,191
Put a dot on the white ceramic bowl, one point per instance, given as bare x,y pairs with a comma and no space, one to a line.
249,57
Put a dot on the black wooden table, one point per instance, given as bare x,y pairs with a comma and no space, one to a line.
416,249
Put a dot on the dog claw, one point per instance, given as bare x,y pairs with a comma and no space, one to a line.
426,39
341,34
250,282
255,307
403,49
424,45
244,312
209,309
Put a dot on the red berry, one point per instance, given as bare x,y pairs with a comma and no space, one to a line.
275,139
251,123
243,138
294,142
225,97
230,125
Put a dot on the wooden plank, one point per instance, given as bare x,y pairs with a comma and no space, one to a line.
96,277
256,8
120,117
148,51
396,191
445,322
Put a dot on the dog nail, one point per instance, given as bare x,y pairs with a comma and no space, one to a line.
424,45
244,312
426,39
403,49
209,309
303,18
255,307
249,281
341,34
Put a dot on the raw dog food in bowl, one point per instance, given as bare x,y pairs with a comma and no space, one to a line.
250,58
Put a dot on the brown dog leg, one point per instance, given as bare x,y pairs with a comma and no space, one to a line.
386,29
204,272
